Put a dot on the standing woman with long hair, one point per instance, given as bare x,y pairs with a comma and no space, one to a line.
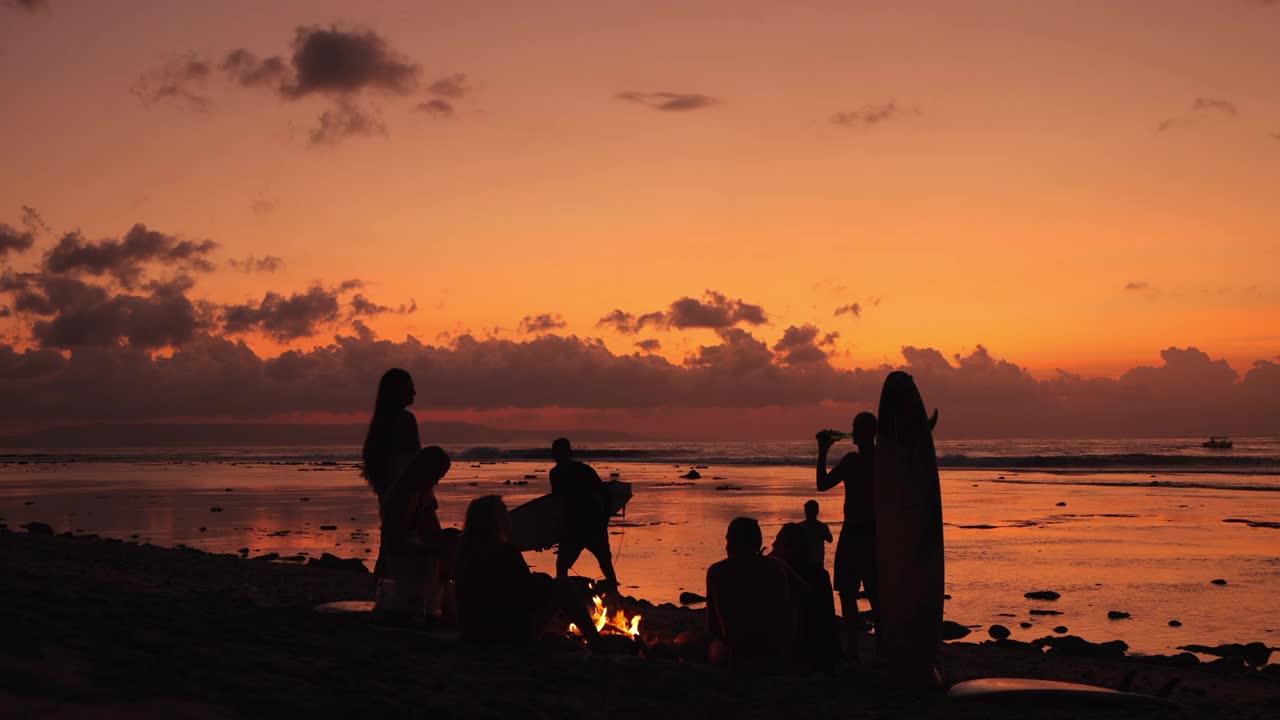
909,546
392,439
390,447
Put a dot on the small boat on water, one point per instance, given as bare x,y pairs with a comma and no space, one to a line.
1218,443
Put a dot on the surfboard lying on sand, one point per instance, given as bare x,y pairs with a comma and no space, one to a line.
1043,691
536,524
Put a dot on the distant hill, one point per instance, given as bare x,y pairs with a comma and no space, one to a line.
105,435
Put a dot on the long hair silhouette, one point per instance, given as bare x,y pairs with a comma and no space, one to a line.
388,428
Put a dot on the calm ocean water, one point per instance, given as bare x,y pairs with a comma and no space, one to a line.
1140,526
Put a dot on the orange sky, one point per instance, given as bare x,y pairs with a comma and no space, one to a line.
1021,185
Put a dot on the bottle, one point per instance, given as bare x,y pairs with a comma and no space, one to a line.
835,435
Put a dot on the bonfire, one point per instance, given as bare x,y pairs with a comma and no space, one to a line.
617,624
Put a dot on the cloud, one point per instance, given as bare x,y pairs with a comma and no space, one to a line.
345,120
1137,285
27,5
453,86
649,345
262,207
87,316
799,345
285,318
872,115
714,311
248,70
33,220
436,107
545,322
1213,105
362,306
669,101
14,241
329,60
124,259
980,395
254,264
619,320
179,81
1201,110
854,309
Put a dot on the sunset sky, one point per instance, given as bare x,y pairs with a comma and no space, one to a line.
1074,186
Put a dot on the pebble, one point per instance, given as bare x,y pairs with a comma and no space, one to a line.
1219,581
1175,623
1042,595
1060,629
999,632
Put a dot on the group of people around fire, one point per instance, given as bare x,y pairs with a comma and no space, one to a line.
769,612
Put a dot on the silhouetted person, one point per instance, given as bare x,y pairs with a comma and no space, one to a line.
817,644
749,603
499,599
412,543
855,562
392,441
586,519
818,534
908,534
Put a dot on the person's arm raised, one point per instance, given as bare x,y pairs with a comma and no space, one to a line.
826,479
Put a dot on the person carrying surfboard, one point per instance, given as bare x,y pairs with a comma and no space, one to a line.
586,520
855,562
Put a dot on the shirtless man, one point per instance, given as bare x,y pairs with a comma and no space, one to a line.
855,562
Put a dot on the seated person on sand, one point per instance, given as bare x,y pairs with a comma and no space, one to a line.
586,519
749,603
817,645
818,532
499,599
412,543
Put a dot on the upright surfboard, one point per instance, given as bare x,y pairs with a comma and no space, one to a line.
909,549
536,524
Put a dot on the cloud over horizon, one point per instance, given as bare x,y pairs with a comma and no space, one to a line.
1189,393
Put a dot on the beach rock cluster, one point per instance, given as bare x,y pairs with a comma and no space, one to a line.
1254,653
1076,646
333,562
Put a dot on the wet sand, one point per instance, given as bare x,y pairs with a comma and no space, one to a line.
104,628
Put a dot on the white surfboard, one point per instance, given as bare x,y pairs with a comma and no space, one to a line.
1043,691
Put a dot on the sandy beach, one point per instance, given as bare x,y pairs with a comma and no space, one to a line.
102,628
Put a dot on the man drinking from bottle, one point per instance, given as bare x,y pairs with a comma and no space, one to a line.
855,562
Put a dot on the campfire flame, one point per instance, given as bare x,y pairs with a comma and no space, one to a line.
619,624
